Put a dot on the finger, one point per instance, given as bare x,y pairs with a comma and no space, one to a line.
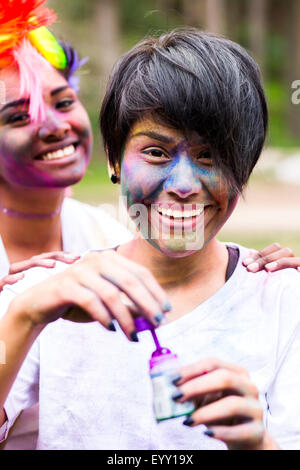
283,263
27,264
110,297
144,276
268,250
228,408
242,436
10,279
254,255
204,367
58,256
263,261
137,293
219,380
88,302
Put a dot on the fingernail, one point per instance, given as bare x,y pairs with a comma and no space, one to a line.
112,327
50,264
271,266
253,267
209,432
177,394
176,379
188,421
17,275
134,336
248,261
160,318
167,306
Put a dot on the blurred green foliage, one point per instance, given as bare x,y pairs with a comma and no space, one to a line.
279,134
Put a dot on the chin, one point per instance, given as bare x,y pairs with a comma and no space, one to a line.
68,179
56,183
177,248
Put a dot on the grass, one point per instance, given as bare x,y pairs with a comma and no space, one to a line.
291,240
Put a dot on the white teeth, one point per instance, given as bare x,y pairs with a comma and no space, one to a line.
66,151
176,214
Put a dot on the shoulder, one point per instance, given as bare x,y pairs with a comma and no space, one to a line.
285,280
32,277
277,294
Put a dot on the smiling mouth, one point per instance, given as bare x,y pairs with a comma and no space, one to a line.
63,152
178,214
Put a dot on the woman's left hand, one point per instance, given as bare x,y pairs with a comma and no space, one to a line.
271,258
227,402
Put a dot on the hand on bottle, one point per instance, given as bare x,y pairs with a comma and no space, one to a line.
226,401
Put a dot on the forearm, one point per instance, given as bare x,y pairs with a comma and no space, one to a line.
17,333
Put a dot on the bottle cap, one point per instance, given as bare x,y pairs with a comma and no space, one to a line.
141,324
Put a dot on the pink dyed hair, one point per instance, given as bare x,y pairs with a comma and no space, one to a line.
32,66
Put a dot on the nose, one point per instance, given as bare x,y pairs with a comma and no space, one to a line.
183,179
53,128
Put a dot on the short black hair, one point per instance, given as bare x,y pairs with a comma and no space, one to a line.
194,81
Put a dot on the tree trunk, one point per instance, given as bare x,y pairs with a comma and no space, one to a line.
215,16
257,30
108,35
194,13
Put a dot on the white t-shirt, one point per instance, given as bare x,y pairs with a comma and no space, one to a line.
83,227
93,385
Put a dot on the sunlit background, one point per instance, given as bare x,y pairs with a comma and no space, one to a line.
269,29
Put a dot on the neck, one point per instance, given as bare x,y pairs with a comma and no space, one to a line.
209,262
30,221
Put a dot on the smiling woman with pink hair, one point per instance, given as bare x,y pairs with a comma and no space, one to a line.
45,146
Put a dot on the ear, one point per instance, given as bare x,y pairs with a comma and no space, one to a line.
113,170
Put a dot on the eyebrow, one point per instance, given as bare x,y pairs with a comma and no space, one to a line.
20,102
25,101
59,89
155,135
163,138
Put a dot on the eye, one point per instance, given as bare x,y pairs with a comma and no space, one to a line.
156,153
65,103
205,158
18,117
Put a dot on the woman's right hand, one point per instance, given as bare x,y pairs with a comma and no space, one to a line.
92,290
46,260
